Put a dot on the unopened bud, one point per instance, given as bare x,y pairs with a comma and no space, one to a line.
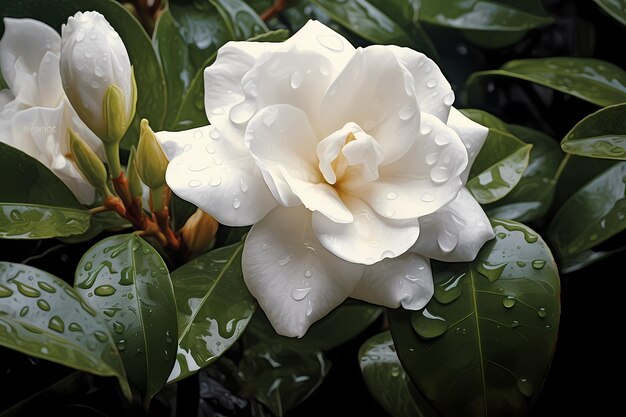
134,182
150,159
88,163
199,232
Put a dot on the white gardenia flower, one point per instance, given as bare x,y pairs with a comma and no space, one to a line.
349,162
93,57
34,111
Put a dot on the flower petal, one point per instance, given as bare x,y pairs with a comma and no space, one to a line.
295,279
456,232
367,239
374,91
26,41
434,93
49,81
405,281
217,175
426,178
472,135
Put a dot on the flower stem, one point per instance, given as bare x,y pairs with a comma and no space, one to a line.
112,152
274,9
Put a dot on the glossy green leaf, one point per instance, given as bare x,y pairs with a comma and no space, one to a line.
615,8
593,80
281,376
532,197
100,222
593,214
485,15
576,171
241,19
383,22
42,316
501,162
599,135
184,37
214,307
34,203
151,100
191,113
125,278
387,380
483,345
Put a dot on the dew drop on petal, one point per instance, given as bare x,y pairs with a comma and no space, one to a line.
440,174
442,139
215,134
407,112
210,148
299,294
217,111
236,203
427,198
448,100
426,129
309,308
431,158
432,83
391,196
194,183
296,79
332,42
197,134
308,273
243,185
215,181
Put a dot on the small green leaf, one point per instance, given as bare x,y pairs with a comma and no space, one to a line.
615,8
42,316
282,376
125,278
387,380
501,162
595,81
599,135
214,308
593,214
532,197
34,203
482,346
242,21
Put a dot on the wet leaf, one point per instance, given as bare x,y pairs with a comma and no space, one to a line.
34,203
482,346
599,135
593,80
100,222
125,278
387,380
241,19
214,307
42,316
615,8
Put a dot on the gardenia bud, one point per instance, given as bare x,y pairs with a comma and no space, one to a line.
97,76
134,182
88,163
199,231
150,160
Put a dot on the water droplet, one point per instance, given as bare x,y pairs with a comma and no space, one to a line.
242,112
538,263
43,304
236,203
23,311
395,372
442,139
264,246
427,198
104,290
521,264
298,294
388,254
324,68
194,183
98,72
210,148
509,301
101,336
407,112
426,129
131,296
431,158
448,100
26,290
542,312
491,271
447,240
214,134
440,174
428,325
309,308
332,42
44,350
218,161
46,287
514,324
118,327
285,260
5,292
121,345
243,185
432,83
75,327
296,79
251,89
308,273
391,196
56,324
215,181
217,111
80,35
526,388
501,235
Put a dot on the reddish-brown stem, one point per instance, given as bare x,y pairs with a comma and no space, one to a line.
121,188
274,9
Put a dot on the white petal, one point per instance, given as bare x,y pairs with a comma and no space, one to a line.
26,40
5,98
217,175
426,178
295,279
433,91
49,81
367,239
456,232
405,281
374,91
472,135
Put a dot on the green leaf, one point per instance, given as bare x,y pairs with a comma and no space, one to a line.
282,376
214,307
191,113
501,162
42,316
125,278
485,15
592,215
34,203
242,21
387,22
100,222
532,197
184,37
483,344
595,81
574,172
151,100
615,8
387,380
599,135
